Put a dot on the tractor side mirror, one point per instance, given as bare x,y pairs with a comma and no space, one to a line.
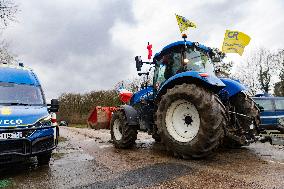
139,63
54,106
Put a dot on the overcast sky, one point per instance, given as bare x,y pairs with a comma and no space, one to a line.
79,46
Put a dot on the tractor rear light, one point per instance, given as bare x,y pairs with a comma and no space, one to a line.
204,74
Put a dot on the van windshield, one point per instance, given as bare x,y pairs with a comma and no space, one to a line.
265,103
20,94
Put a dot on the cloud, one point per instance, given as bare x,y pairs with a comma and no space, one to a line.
78,46
69,44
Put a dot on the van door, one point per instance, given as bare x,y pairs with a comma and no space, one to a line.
267,116
279,107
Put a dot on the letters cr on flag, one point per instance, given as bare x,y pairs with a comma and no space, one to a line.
235,42
184,23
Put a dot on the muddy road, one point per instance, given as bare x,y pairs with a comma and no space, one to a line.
86,159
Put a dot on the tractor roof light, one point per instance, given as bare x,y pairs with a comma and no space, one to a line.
186,60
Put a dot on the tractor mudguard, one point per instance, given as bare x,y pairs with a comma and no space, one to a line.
232,86
144,94
131,114
211,82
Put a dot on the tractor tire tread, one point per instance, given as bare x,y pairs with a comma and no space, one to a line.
129,132
213,119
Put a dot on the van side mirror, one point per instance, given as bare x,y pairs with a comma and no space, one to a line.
139,63
54,106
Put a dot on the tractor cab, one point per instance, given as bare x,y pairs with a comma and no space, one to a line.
181,57
181,60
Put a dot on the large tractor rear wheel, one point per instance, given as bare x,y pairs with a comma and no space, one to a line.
243,104
191,120
122,134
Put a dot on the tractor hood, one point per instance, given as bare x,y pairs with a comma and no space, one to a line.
12,116
209,81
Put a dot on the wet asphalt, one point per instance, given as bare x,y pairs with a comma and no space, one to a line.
87,159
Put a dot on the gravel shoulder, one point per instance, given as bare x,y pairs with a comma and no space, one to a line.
87,159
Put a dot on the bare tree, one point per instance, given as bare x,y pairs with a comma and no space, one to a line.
8,10
265,61
132,85
258,70
246,73
5,55
137,82
223,69
279,86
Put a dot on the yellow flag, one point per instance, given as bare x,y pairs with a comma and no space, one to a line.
184,23
235,42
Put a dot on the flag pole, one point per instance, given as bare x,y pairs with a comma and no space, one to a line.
184,36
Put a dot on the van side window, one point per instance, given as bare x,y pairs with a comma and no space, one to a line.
266,104
279,104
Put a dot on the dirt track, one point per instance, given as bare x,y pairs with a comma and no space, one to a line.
88,160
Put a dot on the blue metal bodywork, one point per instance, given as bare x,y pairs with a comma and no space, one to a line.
144,94
209,80
180,43
232,86
23,117
18,75
273,110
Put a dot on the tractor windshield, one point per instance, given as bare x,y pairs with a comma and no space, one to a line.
197,61
185,60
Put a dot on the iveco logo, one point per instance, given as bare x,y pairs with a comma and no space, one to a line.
6,111
10,122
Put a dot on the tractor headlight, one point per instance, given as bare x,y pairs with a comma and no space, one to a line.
45,121
281,121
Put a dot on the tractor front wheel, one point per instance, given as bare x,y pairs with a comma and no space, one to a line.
122,134
190,120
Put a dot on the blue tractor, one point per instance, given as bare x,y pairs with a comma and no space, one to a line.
187,108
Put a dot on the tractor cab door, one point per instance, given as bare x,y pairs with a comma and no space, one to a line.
166,67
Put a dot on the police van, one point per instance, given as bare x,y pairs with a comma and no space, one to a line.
272,114
28,125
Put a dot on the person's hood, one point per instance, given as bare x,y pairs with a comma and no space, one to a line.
12,116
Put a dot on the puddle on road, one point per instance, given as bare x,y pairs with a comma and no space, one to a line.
68,163
72,157
143,177
268,152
